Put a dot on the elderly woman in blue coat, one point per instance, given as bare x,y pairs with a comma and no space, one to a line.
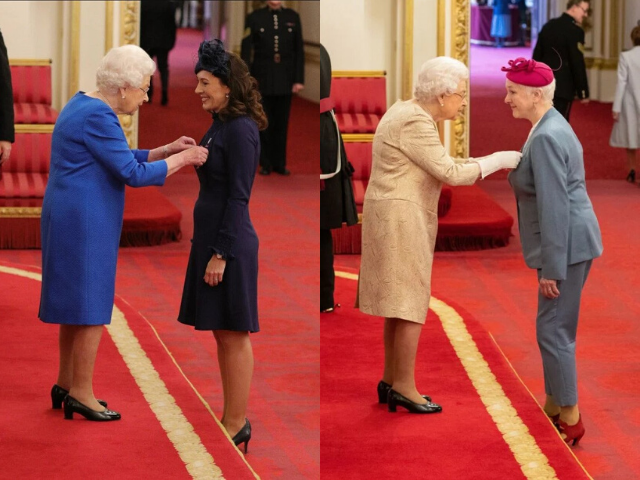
559,232
82,213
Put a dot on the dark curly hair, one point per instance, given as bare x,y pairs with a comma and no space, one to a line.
635,35
244,97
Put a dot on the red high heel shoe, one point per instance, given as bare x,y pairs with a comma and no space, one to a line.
573,433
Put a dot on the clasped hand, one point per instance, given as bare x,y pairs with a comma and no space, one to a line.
549,288
215,270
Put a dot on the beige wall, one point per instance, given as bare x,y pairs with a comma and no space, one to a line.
362,35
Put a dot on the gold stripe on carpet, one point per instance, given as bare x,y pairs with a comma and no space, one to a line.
202,399
533,463
198,461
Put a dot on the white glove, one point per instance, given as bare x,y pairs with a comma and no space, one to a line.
497,161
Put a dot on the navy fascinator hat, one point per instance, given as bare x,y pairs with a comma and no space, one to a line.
213,58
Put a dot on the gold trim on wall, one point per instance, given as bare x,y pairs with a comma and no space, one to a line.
129,26
108,26
442,16
614,25
357,137
460,21
442,28
407,59
33,127
74,50
358,73
20,212
601,63
29,62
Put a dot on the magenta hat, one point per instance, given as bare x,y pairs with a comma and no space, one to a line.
528,72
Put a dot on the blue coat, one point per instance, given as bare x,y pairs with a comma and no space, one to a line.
82,211
558,226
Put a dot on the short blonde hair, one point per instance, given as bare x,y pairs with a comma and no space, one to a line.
124,66
439,76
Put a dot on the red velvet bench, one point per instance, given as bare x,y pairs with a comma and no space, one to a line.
346,240
31,82
360,99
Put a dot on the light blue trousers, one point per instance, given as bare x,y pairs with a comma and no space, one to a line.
556,327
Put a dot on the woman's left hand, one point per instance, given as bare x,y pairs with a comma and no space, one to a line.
179,145
549,288
215,270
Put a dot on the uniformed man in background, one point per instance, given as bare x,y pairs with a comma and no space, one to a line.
337,205
274,35
7,134
561,44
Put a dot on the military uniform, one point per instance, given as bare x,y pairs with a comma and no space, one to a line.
566,36
337,204
275,39
6,97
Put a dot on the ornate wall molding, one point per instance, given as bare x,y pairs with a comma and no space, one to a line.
460,16
129,35
74,50
407,51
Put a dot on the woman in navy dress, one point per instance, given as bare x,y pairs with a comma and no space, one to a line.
221,286
82,213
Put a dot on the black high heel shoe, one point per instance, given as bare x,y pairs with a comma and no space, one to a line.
632,176
396,399
383,393
243,436
58,394
71,406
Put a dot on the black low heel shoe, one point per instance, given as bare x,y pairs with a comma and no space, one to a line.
72,405
58,394
395,399
632,176
243,436
383,393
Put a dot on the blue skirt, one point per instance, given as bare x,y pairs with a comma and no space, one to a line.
501,26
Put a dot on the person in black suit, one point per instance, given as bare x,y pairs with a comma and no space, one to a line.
336,192
158,37
560,44
7,133
274,35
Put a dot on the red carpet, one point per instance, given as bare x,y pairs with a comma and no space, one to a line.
500,292
285,403
41,444
490,115
358,434
184,115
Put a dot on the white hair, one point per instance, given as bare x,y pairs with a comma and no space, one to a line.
546,92
124,66
439,76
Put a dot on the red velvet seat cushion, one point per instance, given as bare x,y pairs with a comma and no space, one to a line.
31,153
26,172
31,84
358,122
360,156
34,113
22,184
360,102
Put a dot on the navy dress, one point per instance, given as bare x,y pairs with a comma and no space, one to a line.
82,211
221,225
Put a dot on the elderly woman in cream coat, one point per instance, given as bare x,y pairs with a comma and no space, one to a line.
400,219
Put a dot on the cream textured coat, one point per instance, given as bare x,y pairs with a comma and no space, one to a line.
400,220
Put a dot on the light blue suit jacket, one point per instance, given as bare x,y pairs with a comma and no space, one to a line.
558,226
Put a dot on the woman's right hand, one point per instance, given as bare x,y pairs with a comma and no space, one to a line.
616,115
195,156
497,161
